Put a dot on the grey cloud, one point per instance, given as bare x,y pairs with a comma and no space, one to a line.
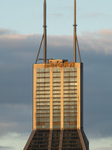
6,31
13,141
97,95
101,44
104,148
15,119
104,33
17,57
18,53
6,148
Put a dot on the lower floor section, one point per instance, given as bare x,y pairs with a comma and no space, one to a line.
68,139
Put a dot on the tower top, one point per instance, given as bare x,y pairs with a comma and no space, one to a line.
44,37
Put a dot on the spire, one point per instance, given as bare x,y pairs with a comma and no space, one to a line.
74,30
45,38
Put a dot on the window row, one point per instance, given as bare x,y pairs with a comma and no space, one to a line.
43,80
70,110
70,126
70,119
43,97
43,69
43,92
43,119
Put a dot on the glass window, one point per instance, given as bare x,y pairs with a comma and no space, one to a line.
56,119
43,100
70,106
56,87
73,126
42,96
47,69
56,69
56,126
43,111
72,69
56,103
43,107
73,119
66,74
43,92
43,115
70,103
57,115
56,74
43,104
40,119
69,115
43,84
56,107
56,111
56,96
70,110
43,87
70,99
56,79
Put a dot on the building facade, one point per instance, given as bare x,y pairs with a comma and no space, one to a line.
57,107
57,95
57,102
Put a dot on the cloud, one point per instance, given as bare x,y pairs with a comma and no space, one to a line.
101,144
6,148
97,41
13,141
104,33
18,53
104,148
6,32
15,118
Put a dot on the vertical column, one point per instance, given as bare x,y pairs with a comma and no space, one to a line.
81,140
78,96
61,140
34,96
51,98
62,98
50,140
81,95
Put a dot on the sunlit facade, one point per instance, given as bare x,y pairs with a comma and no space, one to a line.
57,107
57,95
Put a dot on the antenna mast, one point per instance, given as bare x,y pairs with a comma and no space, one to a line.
45,38
74,30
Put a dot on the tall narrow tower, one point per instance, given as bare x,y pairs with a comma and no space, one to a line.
58,102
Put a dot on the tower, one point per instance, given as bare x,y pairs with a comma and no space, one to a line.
58,102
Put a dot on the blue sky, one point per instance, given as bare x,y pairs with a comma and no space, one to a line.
20,34
25,16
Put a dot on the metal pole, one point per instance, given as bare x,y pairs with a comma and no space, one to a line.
74,30
45,39
78,49
39,49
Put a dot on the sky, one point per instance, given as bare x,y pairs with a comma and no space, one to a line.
21,29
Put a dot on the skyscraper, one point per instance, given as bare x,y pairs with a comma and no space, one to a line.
58,102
